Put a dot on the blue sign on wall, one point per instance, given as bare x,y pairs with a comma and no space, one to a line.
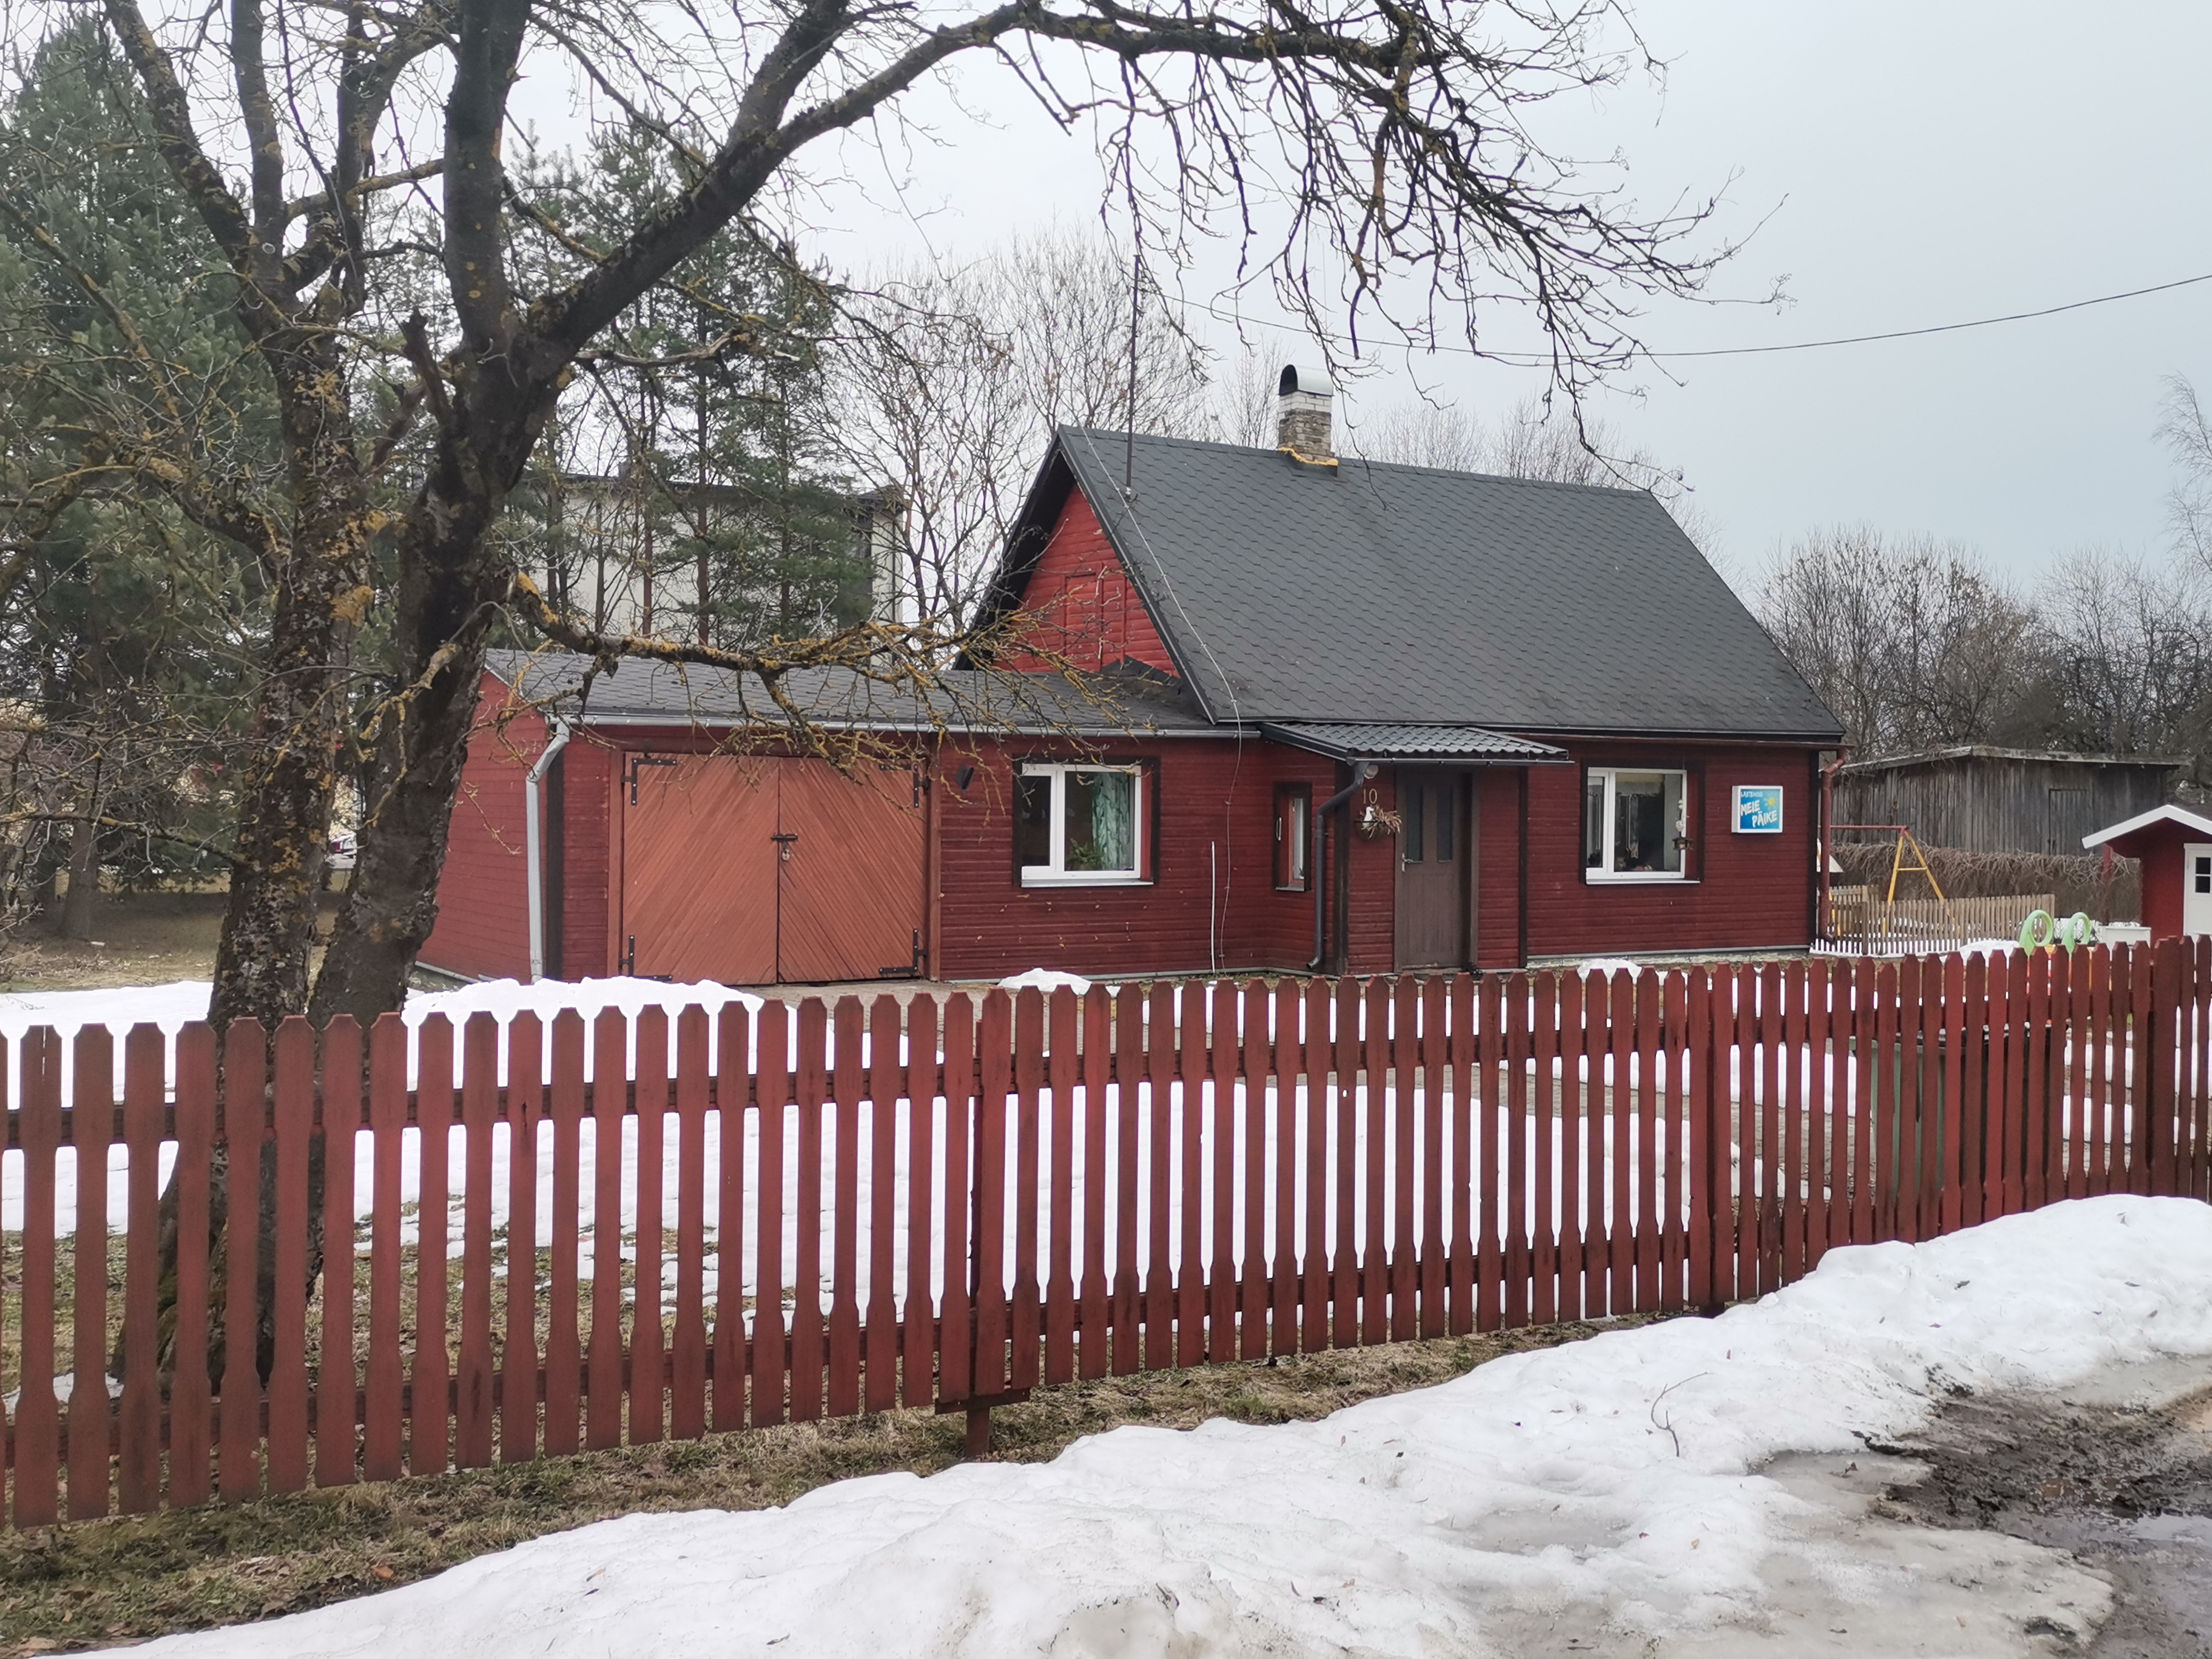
1759,809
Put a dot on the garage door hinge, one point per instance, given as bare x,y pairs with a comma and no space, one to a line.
644,761
918,968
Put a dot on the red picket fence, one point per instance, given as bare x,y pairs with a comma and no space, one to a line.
954,1204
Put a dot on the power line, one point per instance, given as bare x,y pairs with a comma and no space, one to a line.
1942,328
1758,350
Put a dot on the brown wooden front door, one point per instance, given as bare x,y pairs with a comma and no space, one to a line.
748,870
1435,853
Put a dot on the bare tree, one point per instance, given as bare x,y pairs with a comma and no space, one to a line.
413,362
1243,408
1538,438
1908,641
2128,654
2187,435
949,382
1419,434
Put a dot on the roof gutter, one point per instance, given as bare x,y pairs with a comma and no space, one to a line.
1361,771
533,860
676,719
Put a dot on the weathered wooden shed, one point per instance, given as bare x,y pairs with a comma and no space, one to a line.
1984,800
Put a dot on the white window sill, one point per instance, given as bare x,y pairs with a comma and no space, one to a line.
1082,878
1636,878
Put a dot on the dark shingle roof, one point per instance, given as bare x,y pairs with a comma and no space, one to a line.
636,692
1374,593
1409,743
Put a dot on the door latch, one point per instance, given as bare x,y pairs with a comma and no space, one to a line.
783,844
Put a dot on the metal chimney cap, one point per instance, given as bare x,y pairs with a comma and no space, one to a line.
1314,382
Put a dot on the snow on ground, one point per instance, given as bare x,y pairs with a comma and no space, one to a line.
173,1005
1572,1198
1045,979
1630,1493
169,1007
1609,966
503,998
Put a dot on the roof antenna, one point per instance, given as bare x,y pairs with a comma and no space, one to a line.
1136,292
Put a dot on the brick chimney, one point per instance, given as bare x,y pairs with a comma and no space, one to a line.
1302,400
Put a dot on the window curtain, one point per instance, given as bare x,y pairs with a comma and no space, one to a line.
1114,819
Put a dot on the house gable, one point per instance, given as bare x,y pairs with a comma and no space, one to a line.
1083,607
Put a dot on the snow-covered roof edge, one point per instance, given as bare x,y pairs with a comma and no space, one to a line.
2168,813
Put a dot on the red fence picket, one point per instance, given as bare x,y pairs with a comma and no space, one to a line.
337,1417
827,1211
138,1467
519,1398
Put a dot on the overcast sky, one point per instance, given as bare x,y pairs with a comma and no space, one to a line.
1913,164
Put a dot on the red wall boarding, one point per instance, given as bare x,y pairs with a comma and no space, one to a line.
482,928
2163,846
1371,897
1500,797
589,769
1212,904
1087,608
1746,892
1213,901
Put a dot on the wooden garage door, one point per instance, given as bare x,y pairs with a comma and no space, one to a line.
699,868
849,892
751,870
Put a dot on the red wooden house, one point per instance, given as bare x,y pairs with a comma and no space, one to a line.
1336,714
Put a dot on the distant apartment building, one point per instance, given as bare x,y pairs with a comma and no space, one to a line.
722,564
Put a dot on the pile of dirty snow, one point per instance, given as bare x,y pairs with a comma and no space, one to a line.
1616,1495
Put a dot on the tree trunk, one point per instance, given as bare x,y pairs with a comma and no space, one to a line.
450,588
392,899
46,891
78,904
293,761
300,719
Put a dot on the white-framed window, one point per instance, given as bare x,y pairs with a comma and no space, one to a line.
1079,824
1635,824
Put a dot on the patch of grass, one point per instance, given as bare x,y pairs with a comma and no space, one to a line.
96,1582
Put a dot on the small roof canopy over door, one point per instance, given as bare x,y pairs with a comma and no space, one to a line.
2132,837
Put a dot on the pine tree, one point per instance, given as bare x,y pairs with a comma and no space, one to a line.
690,493
124,625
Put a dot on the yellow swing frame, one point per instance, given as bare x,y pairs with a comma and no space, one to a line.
1899,869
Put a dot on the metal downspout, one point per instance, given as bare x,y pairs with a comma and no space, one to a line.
1361,771
1827,834
533,860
